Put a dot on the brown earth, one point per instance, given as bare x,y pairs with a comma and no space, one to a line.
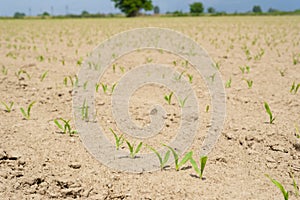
38,162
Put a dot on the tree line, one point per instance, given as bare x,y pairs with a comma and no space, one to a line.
133,8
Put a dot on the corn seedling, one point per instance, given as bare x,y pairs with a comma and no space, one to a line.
228,83
73,83
79,61
212,77
118,139
268,110
295,185
217,65
247,69
282,72
190,78
20,72
8,108
97,87
200,170
184,160
149,60
26,114
43,76
178,78
65,127
4,70
207,108
294,89
85,85
133,151
40,58
162,161
85,111
122,69
295,59
113,87
182,102
280,187
242,69
168,98
114,68
249,83
104,87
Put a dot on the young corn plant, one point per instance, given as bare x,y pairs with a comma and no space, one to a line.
242,69
190,77
178,78
85,85
228,83
20,72
97,87
118,139
184,160
295,185
133,151
8,107
202,162
168,98
182,102
295,59
280,187
26,114
282,72
85,111
113,87
4,70
249,83
73,83
162,160
104,87
122,69
294,89
43,76
65,127
269,112
207,108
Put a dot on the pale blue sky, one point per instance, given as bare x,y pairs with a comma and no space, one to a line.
9,7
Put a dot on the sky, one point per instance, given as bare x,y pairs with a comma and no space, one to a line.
61,7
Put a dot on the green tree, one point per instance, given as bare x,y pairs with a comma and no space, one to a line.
272,10
85,13
19,15
256,9
132,7
156,10
211,10
45,14
196,8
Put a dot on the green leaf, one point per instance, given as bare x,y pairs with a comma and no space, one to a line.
174,154
58,124
203,160
195,166
29,108
138,148
130,147
278,185
166,158
268,110
156,153
186,158
24,113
